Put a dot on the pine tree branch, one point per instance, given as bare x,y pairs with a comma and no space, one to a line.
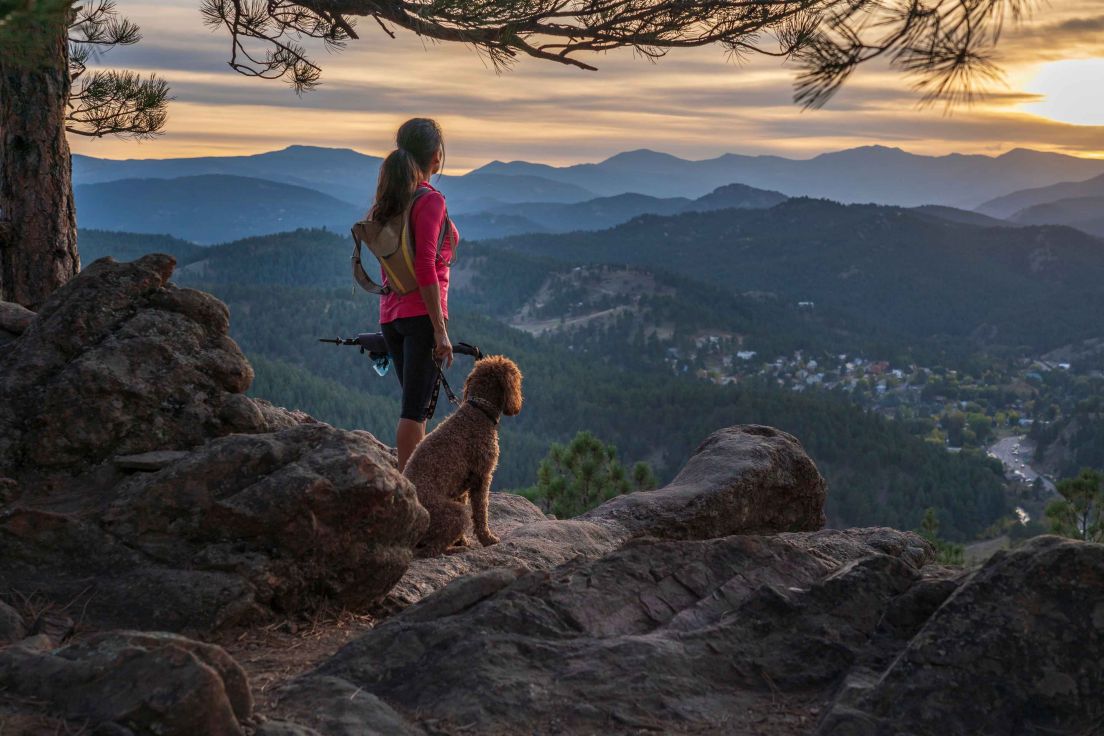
944,46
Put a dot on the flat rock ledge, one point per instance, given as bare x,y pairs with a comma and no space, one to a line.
850,632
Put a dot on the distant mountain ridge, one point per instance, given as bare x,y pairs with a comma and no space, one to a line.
875,174
208,208
1083,213
341,173
1008,205
214,208
604,212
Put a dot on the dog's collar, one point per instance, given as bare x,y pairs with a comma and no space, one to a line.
489,410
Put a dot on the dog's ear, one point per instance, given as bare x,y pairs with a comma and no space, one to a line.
511,389
471,383
483,379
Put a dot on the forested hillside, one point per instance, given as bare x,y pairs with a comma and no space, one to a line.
883,271
287,291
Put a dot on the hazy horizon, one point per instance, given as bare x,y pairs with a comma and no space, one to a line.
721,154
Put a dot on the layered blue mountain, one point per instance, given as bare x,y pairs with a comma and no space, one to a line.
604,212
208,208
1009,205
1079,204
1083,213
870,174
341,173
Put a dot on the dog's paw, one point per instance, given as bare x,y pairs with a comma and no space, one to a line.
488,539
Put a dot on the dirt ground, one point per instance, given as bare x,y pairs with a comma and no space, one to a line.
273,655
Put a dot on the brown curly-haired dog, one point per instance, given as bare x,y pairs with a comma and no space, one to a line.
459,457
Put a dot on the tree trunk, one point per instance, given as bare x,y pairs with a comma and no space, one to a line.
38,223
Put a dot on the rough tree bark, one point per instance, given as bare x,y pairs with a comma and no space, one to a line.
38,224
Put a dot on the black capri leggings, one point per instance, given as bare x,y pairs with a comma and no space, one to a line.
410,343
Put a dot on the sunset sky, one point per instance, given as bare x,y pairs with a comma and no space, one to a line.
693,103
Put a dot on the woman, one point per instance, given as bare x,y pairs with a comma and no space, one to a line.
415,324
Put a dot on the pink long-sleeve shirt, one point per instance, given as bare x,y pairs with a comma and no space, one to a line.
427,216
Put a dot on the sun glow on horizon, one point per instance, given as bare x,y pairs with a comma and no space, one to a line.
1066,91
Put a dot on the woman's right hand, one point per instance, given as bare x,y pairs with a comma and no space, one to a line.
442,350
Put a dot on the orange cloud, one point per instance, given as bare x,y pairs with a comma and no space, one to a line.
692,103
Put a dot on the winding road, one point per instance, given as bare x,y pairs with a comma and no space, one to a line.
1016,454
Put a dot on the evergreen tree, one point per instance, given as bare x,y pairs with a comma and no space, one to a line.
45,92
576,477
1079,514
947,552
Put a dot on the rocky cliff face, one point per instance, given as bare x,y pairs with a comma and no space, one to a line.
142,488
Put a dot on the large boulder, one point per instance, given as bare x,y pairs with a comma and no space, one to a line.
139,483
733,635
1019,648
745,479
120,361
241,527
310,510
126,682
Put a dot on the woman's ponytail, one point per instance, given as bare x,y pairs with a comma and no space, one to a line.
418,141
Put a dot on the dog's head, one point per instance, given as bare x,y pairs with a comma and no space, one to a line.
496,379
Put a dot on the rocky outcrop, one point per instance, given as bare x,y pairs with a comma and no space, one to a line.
138,482
126,682
529,541
1019,648
309,510
120,361
242,526
747,479
741,480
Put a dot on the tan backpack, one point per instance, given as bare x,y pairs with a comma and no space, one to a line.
392,243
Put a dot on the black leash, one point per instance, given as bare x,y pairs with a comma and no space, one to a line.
442,381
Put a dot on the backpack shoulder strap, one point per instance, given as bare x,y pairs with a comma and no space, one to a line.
359,274
445,223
